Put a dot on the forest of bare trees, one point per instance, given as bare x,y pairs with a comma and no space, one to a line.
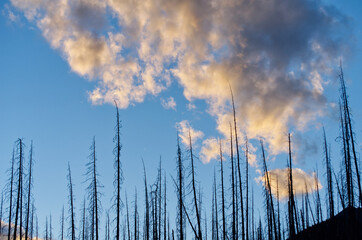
233,212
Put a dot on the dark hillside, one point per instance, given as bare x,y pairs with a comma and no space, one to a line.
347,225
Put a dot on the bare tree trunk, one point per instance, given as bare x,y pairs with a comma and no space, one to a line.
19,203
71,204
180,192
329,178
234,237
194,189
222,196
127,217
291,203
216,209
270,197
351,133
118,174
247,186
11,193
147,214
62,225
29,192
239,171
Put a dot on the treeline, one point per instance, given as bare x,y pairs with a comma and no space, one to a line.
232,213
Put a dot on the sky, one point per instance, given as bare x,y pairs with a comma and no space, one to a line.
170,65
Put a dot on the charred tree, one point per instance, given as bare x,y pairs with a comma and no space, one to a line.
273,233
71,230
239,168
11,183
350,133
193,182
329,177
147,208
118,176
222,195
291,203
180,186
233,231
19,174
29,191
62,225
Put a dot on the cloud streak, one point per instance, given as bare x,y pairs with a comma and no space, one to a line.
273,53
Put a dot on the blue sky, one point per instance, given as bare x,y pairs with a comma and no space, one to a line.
45,97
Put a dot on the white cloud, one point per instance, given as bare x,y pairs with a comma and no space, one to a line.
273,53
169,103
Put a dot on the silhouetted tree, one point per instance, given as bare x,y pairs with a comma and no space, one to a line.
198,218
11,183
224,236
93,191
247,187
1,212
272,226
147,208
291,203
329,177
71,230
349,132
234,223
62,225
19,174
29,191
239,168
136,217
118,177
180,186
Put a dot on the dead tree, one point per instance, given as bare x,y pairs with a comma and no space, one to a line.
118,176
222,195
29,191
180,186
136,218
216,220
198,218
93,191
233,232
11,183
19,200
291,203
50,228
239,170
164,210
71,230
1,212
329,177
247,186
147,208
318,199
350,132
270,205
62,225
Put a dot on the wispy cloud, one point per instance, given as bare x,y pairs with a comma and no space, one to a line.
302,182
168,103
185,130
273,53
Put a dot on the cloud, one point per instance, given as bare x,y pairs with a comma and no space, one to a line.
169,103
9,14
275,54
184,129
302,182
191,106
